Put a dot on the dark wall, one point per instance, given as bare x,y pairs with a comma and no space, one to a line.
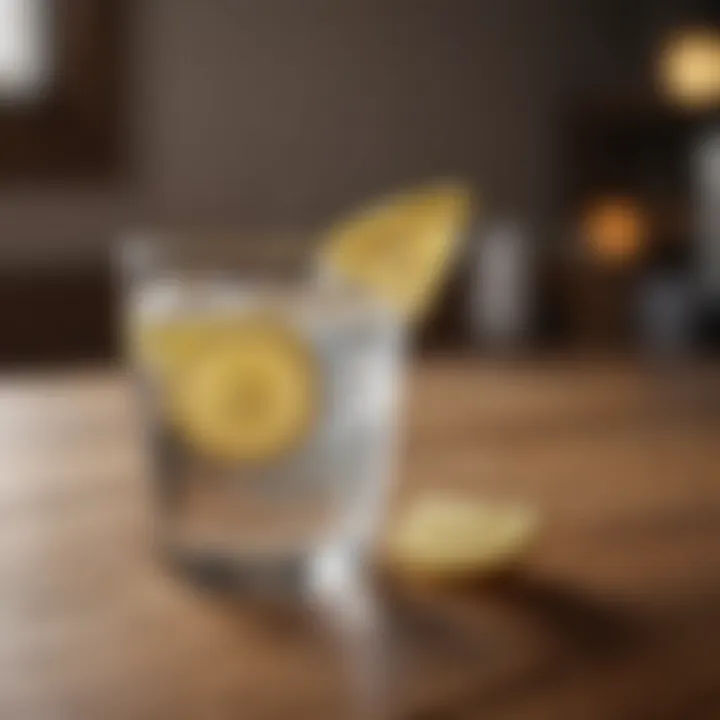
269,112
281,112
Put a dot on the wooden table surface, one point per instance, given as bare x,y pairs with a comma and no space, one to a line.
616,616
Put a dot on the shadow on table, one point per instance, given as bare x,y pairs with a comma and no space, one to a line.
422,653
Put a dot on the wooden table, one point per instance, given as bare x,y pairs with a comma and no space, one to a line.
616,616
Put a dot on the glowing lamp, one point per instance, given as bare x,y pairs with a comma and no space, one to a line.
615,229
689,70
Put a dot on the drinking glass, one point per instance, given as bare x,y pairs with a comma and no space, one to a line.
281,517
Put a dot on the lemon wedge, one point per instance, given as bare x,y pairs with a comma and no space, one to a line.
400,249
442,537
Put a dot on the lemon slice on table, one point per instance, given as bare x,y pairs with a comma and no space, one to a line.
451,538
248,395
400,249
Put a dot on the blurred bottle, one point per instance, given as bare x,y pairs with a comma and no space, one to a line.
667,297
501,288
706,194
666,314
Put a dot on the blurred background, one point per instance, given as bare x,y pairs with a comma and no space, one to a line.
589,127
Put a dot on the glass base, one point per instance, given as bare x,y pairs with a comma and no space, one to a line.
309,575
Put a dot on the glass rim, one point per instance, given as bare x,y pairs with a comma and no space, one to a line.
228,252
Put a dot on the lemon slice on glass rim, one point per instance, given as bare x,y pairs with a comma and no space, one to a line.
400,250
242,389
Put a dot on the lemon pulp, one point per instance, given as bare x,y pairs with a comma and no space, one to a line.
238,389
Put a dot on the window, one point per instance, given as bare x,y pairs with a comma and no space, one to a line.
24,49
61,89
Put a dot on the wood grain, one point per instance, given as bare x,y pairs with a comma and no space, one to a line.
617,614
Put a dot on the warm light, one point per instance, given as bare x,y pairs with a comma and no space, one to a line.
690,68
615,229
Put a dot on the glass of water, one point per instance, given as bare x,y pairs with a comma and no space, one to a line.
268,396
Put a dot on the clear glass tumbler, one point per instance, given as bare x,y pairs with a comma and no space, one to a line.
268,397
